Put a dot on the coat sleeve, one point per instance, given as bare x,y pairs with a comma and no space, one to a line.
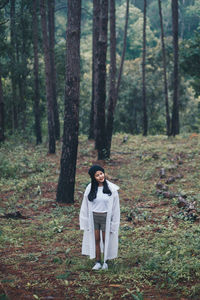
115,217
84,216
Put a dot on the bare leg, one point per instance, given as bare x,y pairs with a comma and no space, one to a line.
103,235
97,242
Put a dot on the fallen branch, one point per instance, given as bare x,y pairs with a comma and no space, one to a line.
14,215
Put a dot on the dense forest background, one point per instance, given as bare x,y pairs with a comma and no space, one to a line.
66,85
17,66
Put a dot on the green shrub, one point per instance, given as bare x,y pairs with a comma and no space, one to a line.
8,169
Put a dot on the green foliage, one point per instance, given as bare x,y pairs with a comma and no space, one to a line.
128,116
134,34
7,169
138,296
190,60
169,257
20,165
63,276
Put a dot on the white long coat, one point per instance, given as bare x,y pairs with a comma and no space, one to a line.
112,225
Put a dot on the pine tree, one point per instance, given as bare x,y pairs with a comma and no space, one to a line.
66,183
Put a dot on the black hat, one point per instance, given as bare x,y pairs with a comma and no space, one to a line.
94,169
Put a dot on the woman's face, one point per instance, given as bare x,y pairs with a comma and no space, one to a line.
100,177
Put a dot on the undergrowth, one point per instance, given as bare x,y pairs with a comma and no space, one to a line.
159,251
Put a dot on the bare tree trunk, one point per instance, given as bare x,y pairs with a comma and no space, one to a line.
124,49
22,73
66,183
13,66
175,111
145,120
164,70
2,134
114,90
51,23
36,75
49,93
95,37
101,140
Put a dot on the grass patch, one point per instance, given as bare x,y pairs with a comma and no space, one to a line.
158,249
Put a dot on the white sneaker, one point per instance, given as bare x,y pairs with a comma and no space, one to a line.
105,266
97,266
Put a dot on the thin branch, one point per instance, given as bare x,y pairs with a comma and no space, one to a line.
4,22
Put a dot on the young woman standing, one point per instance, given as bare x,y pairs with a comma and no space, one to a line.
100,218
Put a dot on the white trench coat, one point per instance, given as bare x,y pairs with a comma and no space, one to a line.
112,225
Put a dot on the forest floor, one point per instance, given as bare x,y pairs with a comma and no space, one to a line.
159,241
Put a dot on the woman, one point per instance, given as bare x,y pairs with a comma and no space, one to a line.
100,218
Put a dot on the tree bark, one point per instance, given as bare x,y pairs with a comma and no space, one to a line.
51,25
2,134
112,87
164,70
95,37
175,111
145,120
124,49
114,90
13,66
49,93
22,73
66,183
100,138
36,75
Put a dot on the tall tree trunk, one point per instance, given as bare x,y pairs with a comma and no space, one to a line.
49,93
51,23
95,37
2,135
19,83
114,90
175,111
164,70
36,75
112,87
24,73
145,120
13,65
124,49
66,183
101,140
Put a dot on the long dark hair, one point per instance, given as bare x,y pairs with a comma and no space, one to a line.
94,187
